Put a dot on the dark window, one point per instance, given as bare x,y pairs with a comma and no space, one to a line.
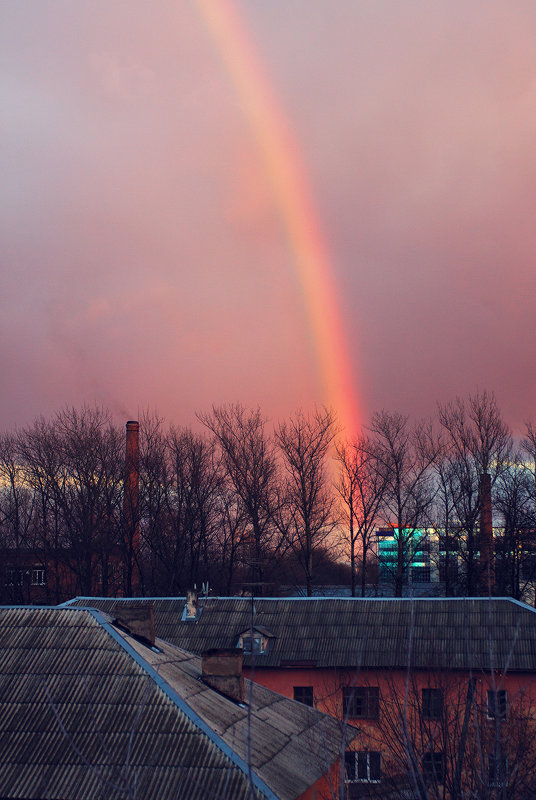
361,701
497,770
420,574
362,766
432,703
15,577
304,694
452,563
497,704
433,767
253,644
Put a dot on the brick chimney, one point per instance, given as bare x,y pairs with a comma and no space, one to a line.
222,670
138,619
487,575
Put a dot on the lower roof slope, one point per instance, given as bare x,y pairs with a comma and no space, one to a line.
83,717
290,744
451,633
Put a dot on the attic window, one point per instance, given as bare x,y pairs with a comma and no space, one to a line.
254,641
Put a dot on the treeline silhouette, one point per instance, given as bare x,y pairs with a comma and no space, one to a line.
244,505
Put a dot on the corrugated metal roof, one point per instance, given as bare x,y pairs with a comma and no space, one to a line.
290,743
461,633
81,718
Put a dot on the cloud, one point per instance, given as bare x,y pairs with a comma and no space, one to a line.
120,78
144,259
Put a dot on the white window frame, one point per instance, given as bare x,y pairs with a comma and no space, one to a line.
356,754
256,642
38,576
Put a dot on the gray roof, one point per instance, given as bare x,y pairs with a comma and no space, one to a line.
292,745
453,633
84,715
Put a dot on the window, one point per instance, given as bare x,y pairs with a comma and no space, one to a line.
497,704
497,770
253,643
432,703
304,694
448,568
38,576
420,574
361,701
362,766
433,767
15,577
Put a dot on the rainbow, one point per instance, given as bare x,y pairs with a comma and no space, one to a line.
293,198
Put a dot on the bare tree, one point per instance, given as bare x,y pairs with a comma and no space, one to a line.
406,455
514,545
89,488
361,487
249,461
17,501
39,452
440,737
154,487
477,442
304,442
528,445
195,484
232,543
181,488
442,520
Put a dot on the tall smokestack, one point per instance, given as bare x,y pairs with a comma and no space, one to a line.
131,494
487,576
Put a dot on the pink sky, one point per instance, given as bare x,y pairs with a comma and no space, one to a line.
145,261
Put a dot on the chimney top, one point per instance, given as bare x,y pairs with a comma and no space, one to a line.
137,619
191,609
133,425
222,670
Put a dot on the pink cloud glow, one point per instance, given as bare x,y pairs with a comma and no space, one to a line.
145,261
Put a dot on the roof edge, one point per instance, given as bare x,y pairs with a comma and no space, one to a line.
71,603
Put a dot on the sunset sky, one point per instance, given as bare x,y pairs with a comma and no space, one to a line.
276,203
